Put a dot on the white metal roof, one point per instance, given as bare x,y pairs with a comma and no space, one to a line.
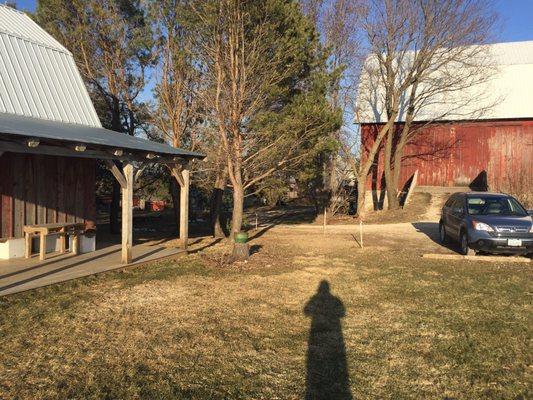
38,76
508,94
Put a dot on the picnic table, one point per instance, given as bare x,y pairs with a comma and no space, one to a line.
61,229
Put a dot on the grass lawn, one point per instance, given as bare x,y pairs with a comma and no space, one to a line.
309,315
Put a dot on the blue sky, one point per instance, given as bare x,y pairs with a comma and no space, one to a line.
516,18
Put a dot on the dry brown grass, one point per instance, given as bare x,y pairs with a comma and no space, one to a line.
201,328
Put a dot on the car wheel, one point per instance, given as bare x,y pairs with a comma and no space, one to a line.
443,236
465,250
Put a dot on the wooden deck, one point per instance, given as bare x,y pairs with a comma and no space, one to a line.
22,274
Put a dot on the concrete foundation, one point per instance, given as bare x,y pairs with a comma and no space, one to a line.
11,248
14,248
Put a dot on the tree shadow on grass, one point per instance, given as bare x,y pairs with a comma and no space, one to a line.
255,248
431,230
327,369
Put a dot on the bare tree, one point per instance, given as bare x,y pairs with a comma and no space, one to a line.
252,71
423,53
111,44
175,112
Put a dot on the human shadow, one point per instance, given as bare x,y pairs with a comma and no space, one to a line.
327,369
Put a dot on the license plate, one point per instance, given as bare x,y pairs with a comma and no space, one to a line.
514,242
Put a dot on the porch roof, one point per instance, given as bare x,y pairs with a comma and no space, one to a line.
100,142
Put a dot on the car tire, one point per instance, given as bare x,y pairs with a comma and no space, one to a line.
463,245
443,236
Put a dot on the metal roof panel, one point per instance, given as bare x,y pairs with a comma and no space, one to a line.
38,76
18,23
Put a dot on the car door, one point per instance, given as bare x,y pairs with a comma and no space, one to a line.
446,214
456,215
446,209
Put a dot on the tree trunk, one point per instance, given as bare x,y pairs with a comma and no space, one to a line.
241,252
238,208
332,181
114,209
216,209
175,193
398,154
362,172
361,192
390,184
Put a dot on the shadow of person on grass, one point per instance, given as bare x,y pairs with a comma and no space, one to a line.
327,369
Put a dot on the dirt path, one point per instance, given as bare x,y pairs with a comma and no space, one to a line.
435,206
419,237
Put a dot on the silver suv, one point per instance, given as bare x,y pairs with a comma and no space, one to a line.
487,222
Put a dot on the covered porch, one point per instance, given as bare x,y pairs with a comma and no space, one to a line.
31,140
22,274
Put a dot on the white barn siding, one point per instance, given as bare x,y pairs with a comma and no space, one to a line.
508,94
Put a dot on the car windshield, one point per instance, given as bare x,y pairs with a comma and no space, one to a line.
486,205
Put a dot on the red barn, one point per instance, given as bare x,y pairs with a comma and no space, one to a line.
493,149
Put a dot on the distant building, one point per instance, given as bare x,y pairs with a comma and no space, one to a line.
494,149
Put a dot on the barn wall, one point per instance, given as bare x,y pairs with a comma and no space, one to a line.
45,189
454,154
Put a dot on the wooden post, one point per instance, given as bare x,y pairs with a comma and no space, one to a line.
325,219
184,207
75,243
127,214
42,246
62,240
27,250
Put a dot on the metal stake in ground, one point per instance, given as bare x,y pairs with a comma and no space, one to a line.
361,232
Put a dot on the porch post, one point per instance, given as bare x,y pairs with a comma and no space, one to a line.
127,214
184,207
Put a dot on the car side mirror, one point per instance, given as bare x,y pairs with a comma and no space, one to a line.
530,212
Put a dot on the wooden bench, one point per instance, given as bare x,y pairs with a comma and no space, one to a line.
61,229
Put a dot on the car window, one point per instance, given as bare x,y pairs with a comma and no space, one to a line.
516,207
485,205
459,202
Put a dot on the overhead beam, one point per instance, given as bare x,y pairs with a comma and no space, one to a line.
139,172
176,173
67,151
119,176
